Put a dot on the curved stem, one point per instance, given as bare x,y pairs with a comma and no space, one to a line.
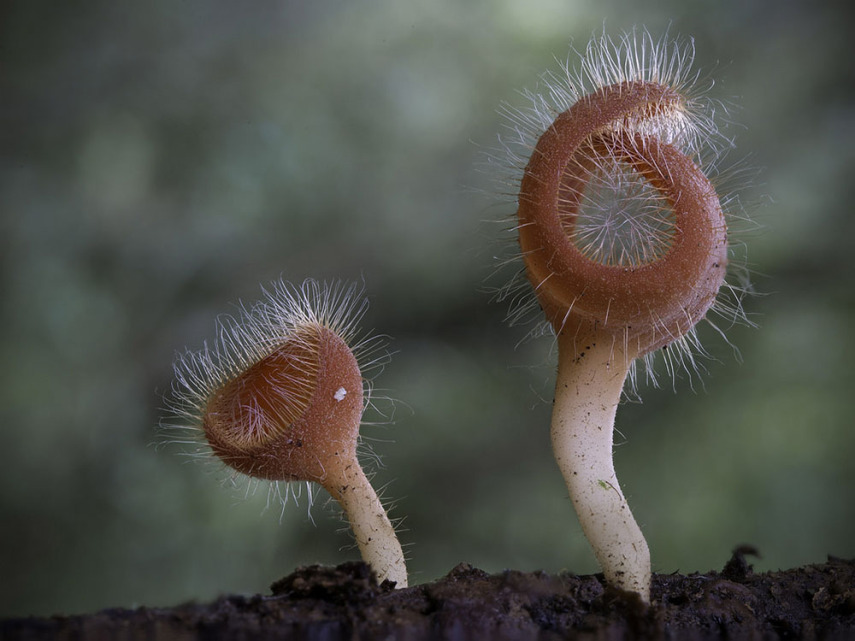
591,374
374,533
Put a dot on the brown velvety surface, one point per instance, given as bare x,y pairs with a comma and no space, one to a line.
325,603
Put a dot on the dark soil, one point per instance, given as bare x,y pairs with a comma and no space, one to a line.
324,603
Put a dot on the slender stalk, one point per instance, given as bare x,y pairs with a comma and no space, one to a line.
591,374
374,533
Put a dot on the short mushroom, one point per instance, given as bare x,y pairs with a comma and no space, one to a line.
281,398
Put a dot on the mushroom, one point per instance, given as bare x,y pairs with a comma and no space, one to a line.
624,241
281,398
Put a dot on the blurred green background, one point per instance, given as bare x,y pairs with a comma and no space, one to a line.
160,160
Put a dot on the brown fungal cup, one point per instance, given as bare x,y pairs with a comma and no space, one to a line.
644,306
294,415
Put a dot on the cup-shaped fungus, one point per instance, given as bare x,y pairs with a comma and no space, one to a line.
625,243
281,398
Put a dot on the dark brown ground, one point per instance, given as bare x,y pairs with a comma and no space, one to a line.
813,602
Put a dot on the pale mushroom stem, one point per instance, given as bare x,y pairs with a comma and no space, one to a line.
374,533
591,374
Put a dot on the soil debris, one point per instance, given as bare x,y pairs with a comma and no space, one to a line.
345,602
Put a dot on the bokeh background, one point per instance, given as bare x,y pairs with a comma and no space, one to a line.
160,160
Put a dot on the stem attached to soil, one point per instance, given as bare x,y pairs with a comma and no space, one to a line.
374,533
591,374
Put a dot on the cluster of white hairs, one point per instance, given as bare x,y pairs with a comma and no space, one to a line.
690,123
621,219
285,315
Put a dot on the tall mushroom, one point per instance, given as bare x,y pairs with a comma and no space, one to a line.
625,244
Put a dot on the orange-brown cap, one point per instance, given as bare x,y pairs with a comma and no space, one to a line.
294,414
643,305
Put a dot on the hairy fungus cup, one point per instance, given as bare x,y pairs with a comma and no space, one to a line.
281,399
624,241
655,295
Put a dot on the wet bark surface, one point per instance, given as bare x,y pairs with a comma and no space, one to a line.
345,602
